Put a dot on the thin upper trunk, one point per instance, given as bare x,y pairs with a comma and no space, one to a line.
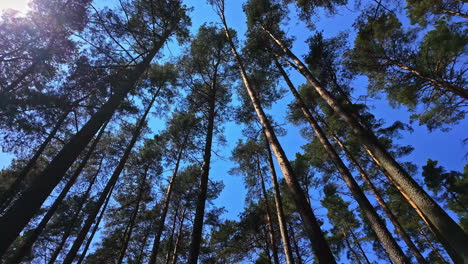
179,236
356,241
431,245
24,209
455,13
32,236
109,186
162,219
279,208
319,244
8,195
196,238
350,247
95,228
296,246
72,223
131,223
378,226
401,231
269,220
449,233
171,237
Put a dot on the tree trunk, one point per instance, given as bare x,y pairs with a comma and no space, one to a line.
24,209
131,223
449,233
320,246
25,248
179,236
296,247
72,223
109,186
433,248
279,207
271,230
171,237
350,247
378,226
401,231
356,241
195,243
455,13
157,237
9,194
95,228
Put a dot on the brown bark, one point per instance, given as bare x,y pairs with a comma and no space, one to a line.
196,238
376,223
162,219
109,186
271,230
431,245
455,13
131,224
401,231
171,237
448,232
24,209
279,208
179,236
25,248
296,247
8,195
320,246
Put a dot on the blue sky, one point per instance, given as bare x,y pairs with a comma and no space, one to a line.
446,147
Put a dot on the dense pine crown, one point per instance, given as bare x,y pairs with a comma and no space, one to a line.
286,137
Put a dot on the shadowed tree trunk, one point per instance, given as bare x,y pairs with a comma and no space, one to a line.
320,246
356,241
350,247
162,219
279,207
25,248
109,186
23,209
378,226
447,231
179,237
271,230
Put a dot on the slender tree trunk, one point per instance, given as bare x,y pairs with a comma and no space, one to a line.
269,220
96,227
449,233
24,209
25,248
433,248
319,244
356,241
143,245
350,247
171,237
196,238
279,207
179,237
296,246
72,223
131,224
9,194
110,185
455,13
378,226
401,231
159,230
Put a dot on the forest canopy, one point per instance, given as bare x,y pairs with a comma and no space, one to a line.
223,131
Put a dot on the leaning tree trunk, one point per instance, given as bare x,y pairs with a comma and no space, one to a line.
171,237
162,219
431,245
74,219
279,207
447,231
24,209
131,224
25,248
376,223
320,246
12,190
350,247
95,228
412,247
296,246
269,219
356,241
196,238
109,186
179,237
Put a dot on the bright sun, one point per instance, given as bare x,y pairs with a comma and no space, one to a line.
19,5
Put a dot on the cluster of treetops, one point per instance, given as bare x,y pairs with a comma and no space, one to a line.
91,183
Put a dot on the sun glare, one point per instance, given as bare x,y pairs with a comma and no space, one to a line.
19,5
